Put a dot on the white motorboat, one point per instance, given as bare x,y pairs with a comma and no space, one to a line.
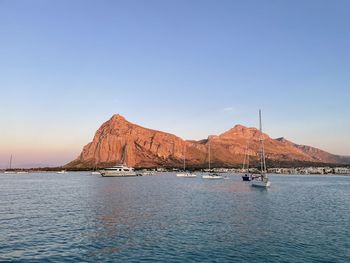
61,172
185,174
263,179
118,171
95,173
9,172
22,172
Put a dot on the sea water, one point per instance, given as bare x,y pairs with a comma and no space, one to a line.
79,217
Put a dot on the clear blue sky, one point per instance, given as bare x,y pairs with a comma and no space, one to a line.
191,68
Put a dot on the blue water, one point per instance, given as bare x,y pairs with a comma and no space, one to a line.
78,217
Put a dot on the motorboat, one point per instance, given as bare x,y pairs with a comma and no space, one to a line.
118,171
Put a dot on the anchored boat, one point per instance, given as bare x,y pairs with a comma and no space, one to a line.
9,171
118,171
246,176
211,175
263,179
185,174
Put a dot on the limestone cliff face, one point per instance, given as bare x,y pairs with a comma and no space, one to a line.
119,141
315,154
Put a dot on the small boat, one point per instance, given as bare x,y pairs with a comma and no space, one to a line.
9,171
246,177
263,179
22,172
185,174
94,170
261,182
147,173
210,175
118,171
61,172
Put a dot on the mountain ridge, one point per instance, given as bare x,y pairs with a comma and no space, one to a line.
120,141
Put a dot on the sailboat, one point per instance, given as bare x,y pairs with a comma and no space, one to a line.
211,175
94,171
246,176
263,179
185,174
9,170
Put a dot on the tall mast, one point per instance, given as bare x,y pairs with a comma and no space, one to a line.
11,162
246,157
262,150
184,157
123,157
209,153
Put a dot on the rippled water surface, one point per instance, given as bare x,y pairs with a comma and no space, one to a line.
79,217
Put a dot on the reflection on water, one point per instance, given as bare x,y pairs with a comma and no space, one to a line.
78,217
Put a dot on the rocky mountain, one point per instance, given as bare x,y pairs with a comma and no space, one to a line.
120,141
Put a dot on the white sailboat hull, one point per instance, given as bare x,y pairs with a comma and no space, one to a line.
186,175
212,177
259,183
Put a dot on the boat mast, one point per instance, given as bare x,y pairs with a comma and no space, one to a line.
262,150
209,153
123,157
246,158
184,157
11,162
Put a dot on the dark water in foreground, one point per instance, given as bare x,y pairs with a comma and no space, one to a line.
79,217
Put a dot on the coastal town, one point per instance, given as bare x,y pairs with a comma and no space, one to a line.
295,171
286,171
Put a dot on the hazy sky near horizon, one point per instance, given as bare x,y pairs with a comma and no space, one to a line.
191,68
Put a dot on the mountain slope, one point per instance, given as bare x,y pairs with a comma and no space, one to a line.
120,141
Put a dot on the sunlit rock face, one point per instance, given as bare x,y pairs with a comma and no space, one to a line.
120,141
